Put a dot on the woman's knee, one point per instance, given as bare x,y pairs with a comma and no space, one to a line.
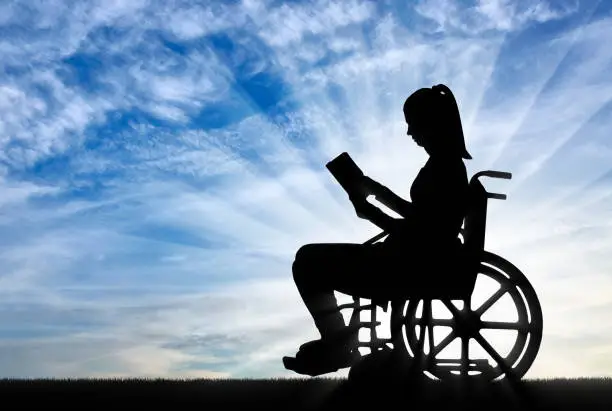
324,262
306,252
303,259
312,264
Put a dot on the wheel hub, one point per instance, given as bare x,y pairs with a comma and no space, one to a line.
468,324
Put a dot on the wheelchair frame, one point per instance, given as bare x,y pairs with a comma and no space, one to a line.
466,323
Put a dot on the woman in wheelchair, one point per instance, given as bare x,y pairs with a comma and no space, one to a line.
429,229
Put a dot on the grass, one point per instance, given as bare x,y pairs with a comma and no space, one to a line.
310,393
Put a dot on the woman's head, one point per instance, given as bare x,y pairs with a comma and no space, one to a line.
434,122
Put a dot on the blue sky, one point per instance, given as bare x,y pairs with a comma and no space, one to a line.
161,162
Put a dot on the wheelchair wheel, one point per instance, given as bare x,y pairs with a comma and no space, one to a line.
467,325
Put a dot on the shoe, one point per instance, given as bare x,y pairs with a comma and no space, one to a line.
321,357
347,338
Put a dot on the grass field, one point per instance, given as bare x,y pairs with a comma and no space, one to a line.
303,394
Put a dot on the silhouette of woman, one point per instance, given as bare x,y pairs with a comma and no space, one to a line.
429,229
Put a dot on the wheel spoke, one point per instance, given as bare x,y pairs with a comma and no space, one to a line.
522,327
442,322
421,341
492,300
465,356
494,354
430,337
426,328
447,340
451,307
435,322
421,337
427,314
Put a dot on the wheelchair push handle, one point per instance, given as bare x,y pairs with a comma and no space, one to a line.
494,174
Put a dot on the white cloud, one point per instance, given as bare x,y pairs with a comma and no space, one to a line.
288,24
487,15
193,21
16,193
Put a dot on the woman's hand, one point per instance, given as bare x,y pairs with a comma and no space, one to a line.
362,207
370,186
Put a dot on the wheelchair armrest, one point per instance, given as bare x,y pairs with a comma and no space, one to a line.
496,196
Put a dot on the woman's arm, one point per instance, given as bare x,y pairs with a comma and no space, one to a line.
389,198
382,220
375,215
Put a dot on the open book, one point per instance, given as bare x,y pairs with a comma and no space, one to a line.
351,178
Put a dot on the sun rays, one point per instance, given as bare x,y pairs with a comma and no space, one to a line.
162,168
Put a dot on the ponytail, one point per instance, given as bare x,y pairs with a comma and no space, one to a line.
452,110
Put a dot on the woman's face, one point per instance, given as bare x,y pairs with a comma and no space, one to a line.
416,131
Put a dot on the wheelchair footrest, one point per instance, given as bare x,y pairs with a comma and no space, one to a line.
473,365
369,324
360,307
377,343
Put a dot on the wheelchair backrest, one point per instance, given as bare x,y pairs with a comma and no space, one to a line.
475,221
474,225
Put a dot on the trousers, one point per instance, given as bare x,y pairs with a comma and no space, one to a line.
372,271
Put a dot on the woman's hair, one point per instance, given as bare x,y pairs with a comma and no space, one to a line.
436,109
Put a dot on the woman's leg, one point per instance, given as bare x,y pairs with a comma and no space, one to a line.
321,269
366,271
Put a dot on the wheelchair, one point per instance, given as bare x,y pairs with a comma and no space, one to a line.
413,325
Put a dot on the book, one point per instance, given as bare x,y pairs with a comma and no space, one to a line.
347,173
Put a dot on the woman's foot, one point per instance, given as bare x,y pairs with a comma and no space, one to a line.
321,357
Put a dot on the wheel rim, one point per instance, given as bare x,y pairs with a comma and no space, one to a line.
467,325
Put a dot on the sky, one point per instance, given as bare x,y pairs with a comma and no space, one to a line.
161,162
